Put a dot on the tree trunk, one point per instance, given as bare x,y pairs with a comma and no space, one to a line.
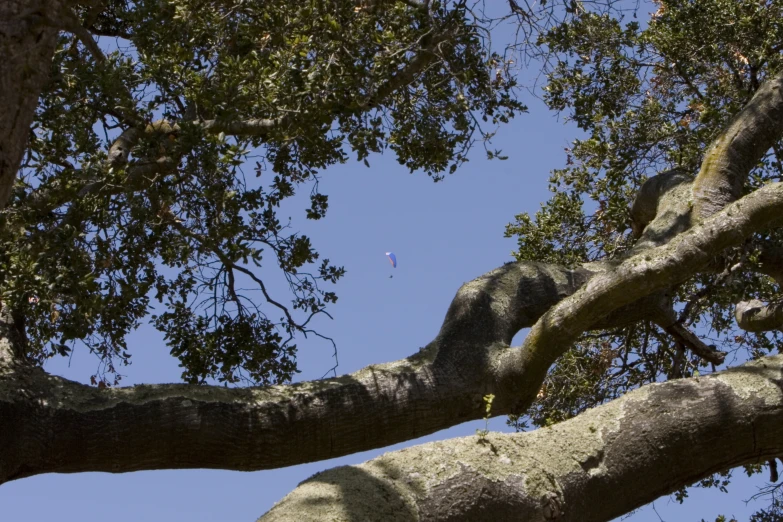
27,43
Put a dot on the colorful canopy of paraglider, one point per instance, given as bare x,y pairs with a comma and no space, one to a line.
392,258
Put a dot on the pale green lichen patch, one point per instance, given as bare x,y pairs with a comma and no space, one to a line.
756,379
521,458
343,494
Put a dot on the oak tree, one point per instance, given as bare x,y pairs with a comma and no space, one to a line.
122,182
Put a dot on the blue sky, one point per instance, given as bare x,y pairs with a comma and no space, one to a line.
443,234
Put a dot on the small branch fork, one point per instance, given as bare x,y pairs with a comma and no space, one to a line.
669,323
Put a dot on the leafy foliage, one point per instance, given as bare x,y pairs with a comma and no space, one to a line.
648,98
773,513
195,90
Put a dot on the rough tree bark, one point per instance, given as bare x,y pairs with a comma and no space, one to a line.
51,424
181,426
626,453
634,449
27,43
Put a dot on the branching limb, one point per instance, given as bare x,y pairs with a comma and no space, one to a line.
702,424
642,274
181,426
231,265
691,341
757,316
667,320
738,149
120,150
70,23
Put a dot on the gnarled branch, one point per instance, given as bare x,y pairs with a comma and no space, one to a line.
182,426
757,316
626,453
178,426
738,149
642,274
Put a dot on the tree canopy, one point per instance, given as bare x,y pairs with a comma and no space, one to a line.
143,164
650,99
659,252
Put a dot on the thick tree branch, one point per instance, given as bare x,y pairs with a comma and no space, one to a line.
738,149
757,316
51,424
641,275
182,426
626,453
27,45
179,426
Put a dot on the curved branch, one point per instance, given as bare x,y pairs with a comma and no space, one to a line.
70,23
641,275
756,316
668,321
626,453
691,341
182,426
732,155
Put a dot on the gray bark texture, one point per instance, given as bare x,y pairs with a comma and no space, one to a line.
625,453
597,466
55,425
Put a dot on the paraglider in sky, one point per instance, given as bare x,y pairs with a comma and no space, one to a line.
392,258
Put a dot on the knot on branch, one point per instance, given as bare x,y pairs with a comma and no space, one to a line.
756,316
551,505
651,201
771,262
494,307
119,152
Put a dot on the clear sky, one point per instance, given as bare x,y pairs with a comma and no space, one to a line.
443,234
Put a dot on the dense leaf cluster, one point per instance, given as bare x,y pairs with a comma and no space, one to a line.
97,237
648,99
